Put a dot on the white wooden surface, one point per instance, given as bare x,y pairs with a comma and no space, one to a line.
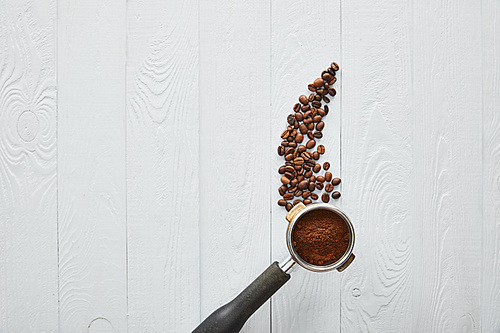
138,181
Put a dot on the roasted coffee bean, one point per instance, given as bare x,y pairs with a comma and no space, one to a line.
296,125
282,202
298,193
307,114
310,144
317,168
292,144
320,92
328,176
303,185
321,112
292,189
326,99
300,178
299,138
332,81
321,149
308,174
325,197
307,201
298,116
306,155
303,99
316,104
308,120
306,108
285,134
290,119
311,87
327,77
316,119
282,189
301,149
326,165
336,195
294,131
289,207
320,179
310,126
296,202
326,85
289,157
306,167
319,186
288,196
311,98
289,150
284,143
285,180
297,167
298,161
306,194
314,112
311,163
316,155
331,71
303,129
289,139
314,196
289,175
312,179
296,107
310,135
335,66
327,109
317,98
318,83
332,92
336,181
318,135
288,163
320,126
281,150
328,187
311,186
282,169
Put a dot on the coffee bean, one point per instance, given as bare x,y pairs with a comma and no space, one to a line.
332,81
285,180
282,189
335,66
290,119
301,149
310,126
289,157
293,132
292,144
319,186
306,155
299,138
318,135
336,181
325,197
312,179
303,185
328,176
316,155
307,114
296,125
326,99
336,195
289,151
306,108
328,187
311,98
300,178
308,174
290,169
332,92
317,98
318,82
296,202
321,149
314,196
317,168
303,99
298,161
281,150
311,87
289,207
298,116
307,201
327,86
327,109
306,167
316,119
316,104
285,134
321,112
326,165
310,144
310,135
292,189
320,91
306,194
288,196
308,120
298,193
294,183
311,186
320,126
331,71
289,175
303,129
320,179
296,107
284,143
310,163
327,77
282,202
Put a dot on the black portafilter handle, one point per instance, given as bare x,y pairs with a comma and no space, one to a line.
231,317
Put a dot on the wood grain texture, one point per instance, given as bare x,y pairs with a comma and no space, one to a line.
234,154
28,167
377,142
446,246
92,164
490,277
163,192
305,40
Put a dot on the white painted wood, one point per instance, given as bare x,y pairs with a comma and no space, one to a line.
28,167
163,168
92,165
234,155
490,277
305,40
377,165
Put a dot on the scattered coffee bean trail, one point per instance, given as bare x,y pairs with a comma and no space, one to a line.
300,177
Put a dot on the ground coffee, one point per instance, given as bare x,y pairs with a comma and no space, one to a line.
320,237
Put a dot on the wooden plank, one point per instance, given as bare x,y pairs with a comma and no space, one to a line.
377,146
28,167
163,154
305,40
92,164
234,159
490,281
448,166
